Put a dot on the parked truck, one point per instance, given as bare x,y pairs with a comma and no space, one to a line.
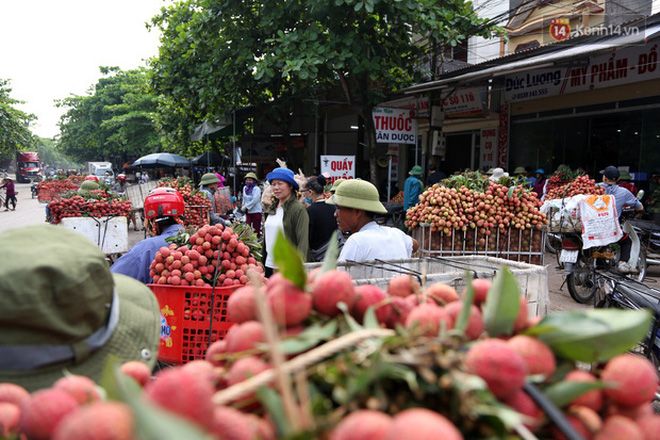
28,167
102,170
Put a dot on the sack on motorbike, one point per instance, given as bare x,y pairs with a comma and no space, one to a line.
564,214
600,224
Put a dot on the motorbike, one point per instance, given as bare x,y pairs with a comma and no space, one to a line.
616,292
649,236
580,264
33,188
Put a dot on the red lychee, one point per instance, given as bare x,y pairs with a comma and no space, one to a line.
526,406
203,369
138,371
13,393
481,286
184,394
402,285
591,399
442,293
368,295
98,421
217,348
422,424
536,354
242,305
618,428
289,304
650,427
330,288
499,365
245,336
44,411
231,424
475,325
585,421
364,424
429,318
635,380
82,388
10,414
245,368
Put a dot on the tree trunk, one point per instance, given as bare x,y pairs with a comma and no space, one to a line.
370,140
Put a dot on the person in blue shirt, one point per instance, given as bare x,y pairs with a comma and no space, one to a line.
412,188
622,199
162,210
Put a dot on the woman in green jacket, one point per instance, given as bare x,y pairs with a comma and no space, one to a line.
286,214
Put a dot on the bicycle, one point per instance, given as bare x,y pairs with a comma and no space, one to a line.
614,291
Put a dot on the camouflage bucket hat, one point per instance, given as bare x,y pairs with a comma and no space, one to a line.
357,194
208,179
64,311
333,188
89,185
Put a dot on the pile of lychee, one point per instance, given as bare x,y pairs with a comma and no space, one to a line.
580,185
195,263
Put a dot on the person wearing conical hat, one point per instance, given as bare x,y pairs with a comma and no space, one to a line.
356,204
11,193
252,203
412,188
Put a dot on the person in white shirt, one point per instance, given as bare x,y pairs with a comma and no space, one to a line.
356,204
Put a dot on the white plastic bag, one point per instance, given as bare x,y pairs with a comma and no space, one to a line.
600,224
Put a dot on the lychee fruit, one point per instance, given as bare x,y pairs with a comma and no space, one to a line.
585,421
499,365
591,399
536,354
632,412
650,426
13,393
363,424
481,286
10,414
82,388
138,371
475,326
98,421
245,368
184,394
245,336
521,321
368,295
634,379
429,318
330,288
203,369
229,423
422,424
44,411
214,351
526,406
289,304
402,285
619,427
242,304
400,309
442,293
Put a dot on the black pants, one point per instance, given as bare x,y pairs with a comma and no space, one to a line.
13,202
626,245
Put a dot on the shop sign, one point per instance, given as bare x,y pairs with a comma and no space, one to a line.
560,29
624,66
419,107
394,126
503,138
394,154
464,102
488,150
339,167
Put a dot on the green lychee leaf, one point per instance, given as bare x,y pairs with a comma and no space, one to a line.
563,393
464,316
331,255
593,335
370,320
289,261
273,404
310,337
502,304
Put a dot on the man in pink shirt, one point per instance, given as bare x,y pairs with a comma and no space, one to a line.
11,193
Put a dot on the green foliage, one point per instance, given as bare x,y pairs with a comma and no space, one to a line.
113,120
15,134
502,303
289,261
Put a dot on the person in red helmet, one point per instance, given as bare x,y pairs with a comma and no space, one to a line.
163,208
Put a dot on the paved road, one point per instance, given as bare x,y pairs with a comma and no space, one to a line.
29,211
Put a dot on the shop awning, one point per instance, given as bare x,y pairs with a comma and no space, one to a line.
506,66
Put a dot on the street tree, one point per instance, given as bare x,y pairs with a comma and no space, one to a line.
15,131
114,119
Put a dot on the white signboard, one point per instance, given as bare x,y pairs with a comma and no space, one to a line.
394,172
394,126
622,66
339,167
488,150
464,102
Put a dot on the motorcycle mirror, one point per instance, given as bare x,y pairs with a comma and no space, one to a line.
640,194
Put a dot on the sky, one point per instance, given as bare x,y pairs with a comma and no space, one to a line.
52,49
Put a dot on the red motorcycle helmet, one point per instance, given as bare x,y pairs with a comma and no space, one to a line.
163,202
92,178
121,176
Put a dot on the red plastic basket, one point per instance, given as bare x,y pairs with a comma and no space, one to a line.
186,320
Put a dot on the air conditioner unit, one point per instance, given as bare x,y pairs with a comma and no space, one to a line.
438,144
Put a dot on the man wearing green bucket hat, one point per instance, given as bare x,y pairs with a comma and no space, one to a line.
62,311
356,204
208,186
413,188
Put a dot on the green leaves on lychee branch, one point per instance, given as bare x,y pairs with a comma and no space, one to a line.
153,423
502,304
289,261
565,392
464,316
592,335
309,338
331,254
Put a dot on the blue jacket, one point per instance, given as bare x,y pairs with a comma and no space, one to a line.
135,263
622,197
411,192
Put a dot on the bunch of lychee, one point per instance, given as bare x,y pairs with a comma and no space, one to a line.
195,263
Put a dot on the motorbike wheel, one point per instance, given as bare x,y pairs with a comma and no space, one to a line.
580,282
553,244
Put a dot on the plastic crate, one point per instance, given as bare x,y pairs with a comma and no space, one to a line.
185,313
522,245
532,279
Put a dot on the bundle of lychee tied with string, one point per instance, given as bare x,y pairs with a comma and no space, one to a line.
197,206
196,257
316,357
95,203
